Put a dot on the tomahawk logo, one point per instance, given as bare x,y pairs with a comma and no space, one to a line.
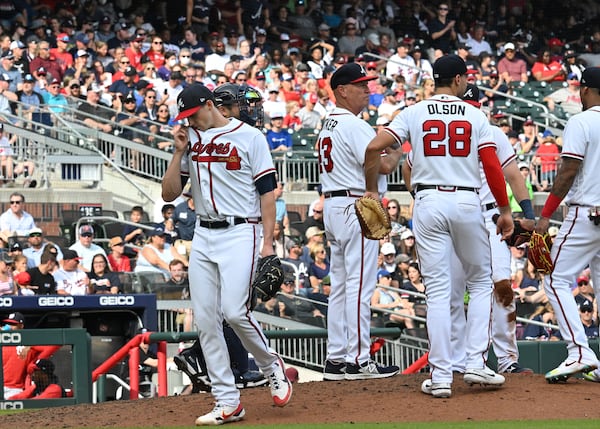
181,104
469,94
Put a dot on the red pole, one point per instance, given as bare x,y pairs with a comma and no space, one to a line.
417,365
162,368
117,357
134,373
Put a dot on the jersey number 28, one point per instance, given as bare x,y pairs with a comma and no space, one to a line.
456,133
325,161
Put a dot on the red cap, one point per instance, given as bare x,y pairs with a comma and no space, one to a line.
555,42
313,98
371,65
24,279
582,279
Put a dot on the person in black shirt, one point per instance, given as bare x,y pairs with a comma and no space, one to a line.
41,277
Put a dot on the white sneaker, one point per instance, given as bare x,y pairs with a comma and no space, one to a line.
567,369
281,387
221,414
483,376
437,390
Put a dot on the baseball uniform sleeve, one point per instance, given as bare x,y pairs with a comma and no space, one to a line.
575,138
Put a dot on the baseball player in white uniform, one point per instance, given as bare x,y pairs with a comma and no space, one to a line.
341,145
448,138
504,311
232,181
577,244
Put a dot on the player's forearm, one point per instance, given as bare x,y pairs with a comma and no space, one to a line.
406,170
267,212
562,183
171,183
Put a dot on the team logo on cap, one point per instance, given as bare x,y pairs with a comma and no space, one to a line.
469,93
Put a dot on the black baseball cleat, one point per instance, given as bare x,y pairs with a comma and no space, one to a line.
250,379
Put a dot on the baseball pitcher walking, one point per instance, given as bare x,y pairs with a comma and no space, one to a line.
232,181
341,144
577,244
448,139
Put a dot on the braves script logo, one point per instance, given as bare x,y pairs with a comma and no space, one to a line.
217,152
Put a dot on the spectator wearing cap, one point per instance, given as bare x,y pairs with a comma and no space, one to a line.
132,122
7,61
79,70
44,382
85,248
156,255
272,104
588,318
529,139
82,43
134,51
22,282
401,63
568,98
260,41
389,106
546,160
547,70
21,61
16,359
36,247
279,139
302,23
584,293
371,46
309,117
463,50
47,61
53,98
511,67
388,299
120,40
572,64
441,29
61,53
92,113
351,39
232,45
30,99
525,172
198,47
6,96
15,220
104,31
70,278
125,85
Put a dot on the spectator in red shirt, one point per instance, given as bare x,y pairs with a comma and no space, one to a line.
63,57
546,158
134,52
547,70
116,258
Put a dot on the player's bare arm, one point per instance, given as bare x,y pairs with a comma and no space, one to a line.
267,212
517,184
495,179
171,183
373,162
390,160
562,183
406,170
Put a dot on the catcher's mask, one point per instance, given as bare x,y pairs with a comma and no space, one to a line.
247,99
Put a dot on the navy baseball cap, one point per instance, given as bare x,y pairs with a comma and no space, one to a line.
156,231
191,99
45,365
350,73
591,77
383,273
15,318
449,66
471,95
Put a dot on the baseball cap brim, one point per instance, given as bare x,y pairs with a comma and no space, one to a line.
364,79
187,113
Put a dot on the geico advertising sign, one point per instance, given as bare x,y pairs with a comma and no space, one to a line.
56,301
8,337
116,300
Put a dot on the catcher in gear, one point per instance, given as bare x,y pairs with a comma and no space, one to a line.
240,101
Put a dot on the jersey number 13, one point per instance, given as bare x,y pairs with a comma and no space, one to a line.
325,161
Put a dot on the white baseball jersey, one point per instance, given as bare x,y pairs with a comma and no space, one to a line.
443,131
581,138
72,282
341,125
223,171
505,153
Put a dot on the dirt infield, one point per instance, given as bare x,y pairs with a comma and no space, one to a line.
399,399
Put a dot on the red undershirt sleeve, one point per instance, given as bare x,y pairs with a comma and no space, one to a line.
493,174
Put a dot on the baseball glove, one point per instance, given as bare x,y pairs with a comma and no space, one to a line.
268,279
519,236
373,218
539,252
